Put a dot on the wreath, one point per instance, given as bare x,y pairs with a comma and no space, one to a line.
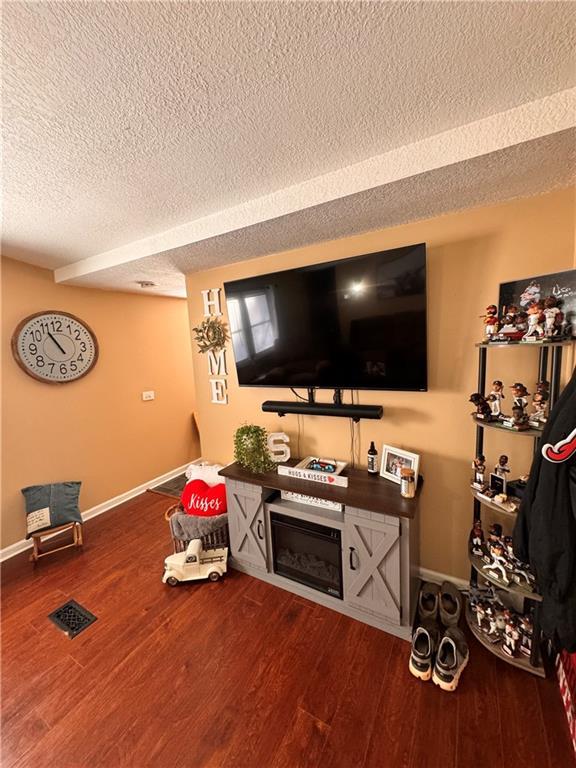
211,334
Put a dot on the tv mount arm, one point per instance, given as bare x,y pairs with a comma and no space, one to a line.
337,398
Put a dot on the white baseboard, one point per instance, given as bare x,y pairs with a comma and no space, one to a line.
438,578
24,544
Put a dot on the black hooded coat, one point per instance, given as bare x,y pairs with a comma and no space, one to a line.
545,530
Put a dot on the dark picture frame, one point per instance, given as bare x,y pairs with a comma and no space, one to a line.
522,293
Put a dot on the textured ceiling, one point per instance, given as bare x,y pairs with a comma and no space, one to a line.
125,119
519,171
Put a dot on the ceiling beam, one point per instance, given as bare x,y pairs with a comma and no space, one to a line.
526,122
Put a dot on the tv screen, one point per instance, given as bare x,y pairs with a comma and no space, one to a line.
356,323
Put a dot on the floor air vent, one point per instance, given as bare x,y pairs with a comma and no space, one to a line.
72,618
172,487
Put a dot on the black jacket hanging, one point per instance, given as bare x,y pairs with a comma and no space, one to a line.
545,531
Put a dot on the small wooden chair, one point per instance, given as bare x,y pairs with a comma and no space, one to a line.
77,540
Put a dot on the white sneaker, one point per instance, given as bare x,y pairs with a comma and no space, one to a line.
451,659
424,643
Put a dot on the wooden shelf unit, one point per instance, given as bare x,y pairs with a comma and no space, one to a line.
493,505
522,662
516,344
516,589
496,425
533,664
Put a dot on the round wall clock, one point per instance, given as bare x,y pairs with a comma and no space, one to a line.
54,347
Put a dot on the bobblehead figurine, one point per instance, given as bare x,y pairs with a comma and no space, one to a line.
483,410
536,320
526,635
476,539
543,388
509,320
491,322
519,418
521,323
502,469
540,410
495,398
511,635
479,467
497,564
520,394
553,317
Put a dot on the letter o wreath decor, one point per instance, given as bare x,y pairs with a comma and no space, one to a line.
211,335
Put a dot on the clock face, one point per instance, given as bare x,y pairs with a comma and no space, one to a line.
54,347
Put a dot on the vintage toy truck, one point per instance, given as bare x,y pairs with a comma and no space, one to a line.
195,563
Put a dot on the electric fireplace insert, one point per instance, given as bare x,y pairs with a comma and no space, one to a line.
308,553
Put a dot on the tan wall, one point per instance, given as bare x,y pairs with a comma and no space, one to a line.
469,254
97,429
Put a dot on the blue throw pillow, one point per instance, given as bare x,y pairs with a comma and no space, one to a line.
48,506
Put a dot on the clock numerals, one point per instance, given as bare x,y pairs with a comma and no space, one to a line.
52,325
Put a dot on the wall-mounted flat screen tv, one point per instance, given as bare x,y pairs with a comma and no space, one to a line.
357,323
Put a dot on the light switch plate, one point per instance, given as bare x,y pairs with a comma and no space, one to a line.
148,395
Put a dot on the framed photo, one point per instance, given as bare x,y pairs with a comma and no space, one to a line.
496,487
524,293
394,460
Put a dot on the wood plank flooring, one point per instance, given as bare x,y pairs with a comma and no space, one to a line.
235,674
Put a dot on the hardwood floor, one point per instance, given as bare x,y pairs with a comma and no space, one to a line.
235,674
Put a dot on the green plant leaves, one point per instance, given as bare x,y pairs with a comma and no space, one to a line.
251,449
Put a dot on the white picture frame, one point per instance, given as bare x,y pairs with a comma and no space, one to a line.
395,459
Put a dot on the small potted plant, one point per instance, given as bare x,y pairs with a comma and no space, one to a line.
251,449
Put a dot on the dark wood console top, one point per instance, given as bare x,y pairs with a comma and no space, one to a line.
364,491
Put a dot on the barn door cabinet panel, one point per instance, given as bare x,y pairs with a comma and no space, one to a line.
372,564
247,523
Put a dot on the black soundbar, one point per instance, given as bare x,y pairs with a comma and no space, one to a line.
355,412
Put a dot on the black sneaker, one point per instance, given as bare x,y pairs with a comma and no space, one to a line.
428,598
451,659
449,604
424,644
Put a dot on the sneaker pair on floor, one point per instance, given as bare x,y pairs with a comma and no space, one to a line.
442,603
443,660
440,656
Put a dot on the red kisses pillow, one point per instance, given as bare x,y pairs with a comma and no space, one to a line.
198,498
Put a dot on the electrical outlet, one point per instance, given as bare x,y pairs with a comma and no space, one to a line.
149,395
